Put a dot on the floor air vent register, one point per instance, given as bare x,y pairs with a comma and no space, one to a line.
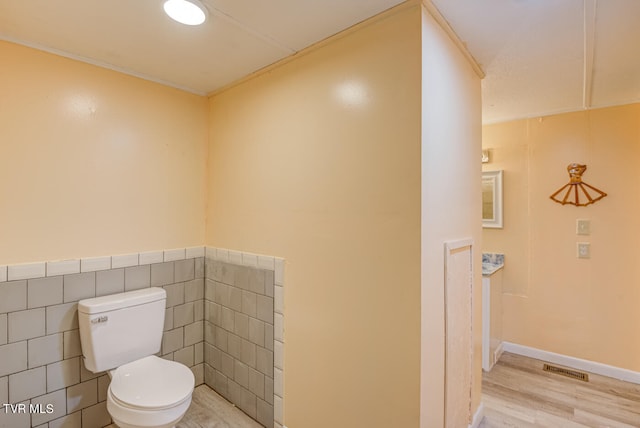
573,374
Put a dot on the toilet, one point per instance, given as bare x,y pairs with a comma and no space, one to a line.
120,333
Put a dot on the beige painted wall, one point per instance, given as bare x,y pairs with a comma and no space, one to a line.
451,202
94,162
318,161
554,301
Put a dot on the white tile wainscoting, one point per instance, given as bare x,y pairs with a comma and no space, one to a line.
40,355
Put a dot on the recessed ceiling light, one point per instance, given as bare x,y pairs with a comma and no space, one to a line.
190,12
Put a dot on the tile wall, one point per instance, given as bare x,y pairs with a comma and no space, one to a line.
244,289
239,336
230,332
40,354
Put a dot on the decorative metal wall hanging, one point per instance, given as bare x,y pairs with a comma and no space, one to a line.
576,186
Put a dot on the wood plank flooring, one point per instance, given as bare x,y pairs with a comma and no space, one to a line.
517,393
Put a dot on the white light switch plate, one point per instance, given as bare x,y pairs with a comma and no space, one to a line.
584,250
583,227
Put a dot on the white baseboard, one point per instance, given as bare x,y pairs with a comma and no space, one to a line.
574,363
498,352
477,417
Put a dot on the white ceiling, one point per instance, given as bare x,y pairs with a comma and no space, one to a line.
540,56
550,56
135,36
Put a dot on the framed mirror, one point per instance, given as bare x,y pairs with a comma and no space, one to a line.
492,199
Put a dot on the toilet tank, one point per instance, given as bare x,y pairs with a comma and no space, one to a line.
120,328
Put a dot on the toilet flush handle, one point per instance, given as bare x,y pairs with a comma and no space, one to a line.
100,319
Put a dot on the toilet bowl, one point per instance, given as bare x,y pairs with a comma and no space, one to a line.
150,392
121,334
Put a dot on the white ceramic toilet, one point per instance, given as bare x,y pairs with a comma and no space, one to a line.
121,333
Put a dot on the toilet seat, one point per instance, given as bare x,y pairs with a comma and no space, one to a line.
151,383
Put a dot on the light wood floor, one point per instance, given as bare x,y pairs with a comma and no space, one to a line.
517,393
210,410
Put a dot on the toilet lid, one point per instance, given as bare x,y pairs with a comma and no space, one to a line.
152,383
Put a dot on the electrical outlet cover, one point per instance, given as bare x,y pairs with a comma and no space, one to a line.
584,250
583,227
